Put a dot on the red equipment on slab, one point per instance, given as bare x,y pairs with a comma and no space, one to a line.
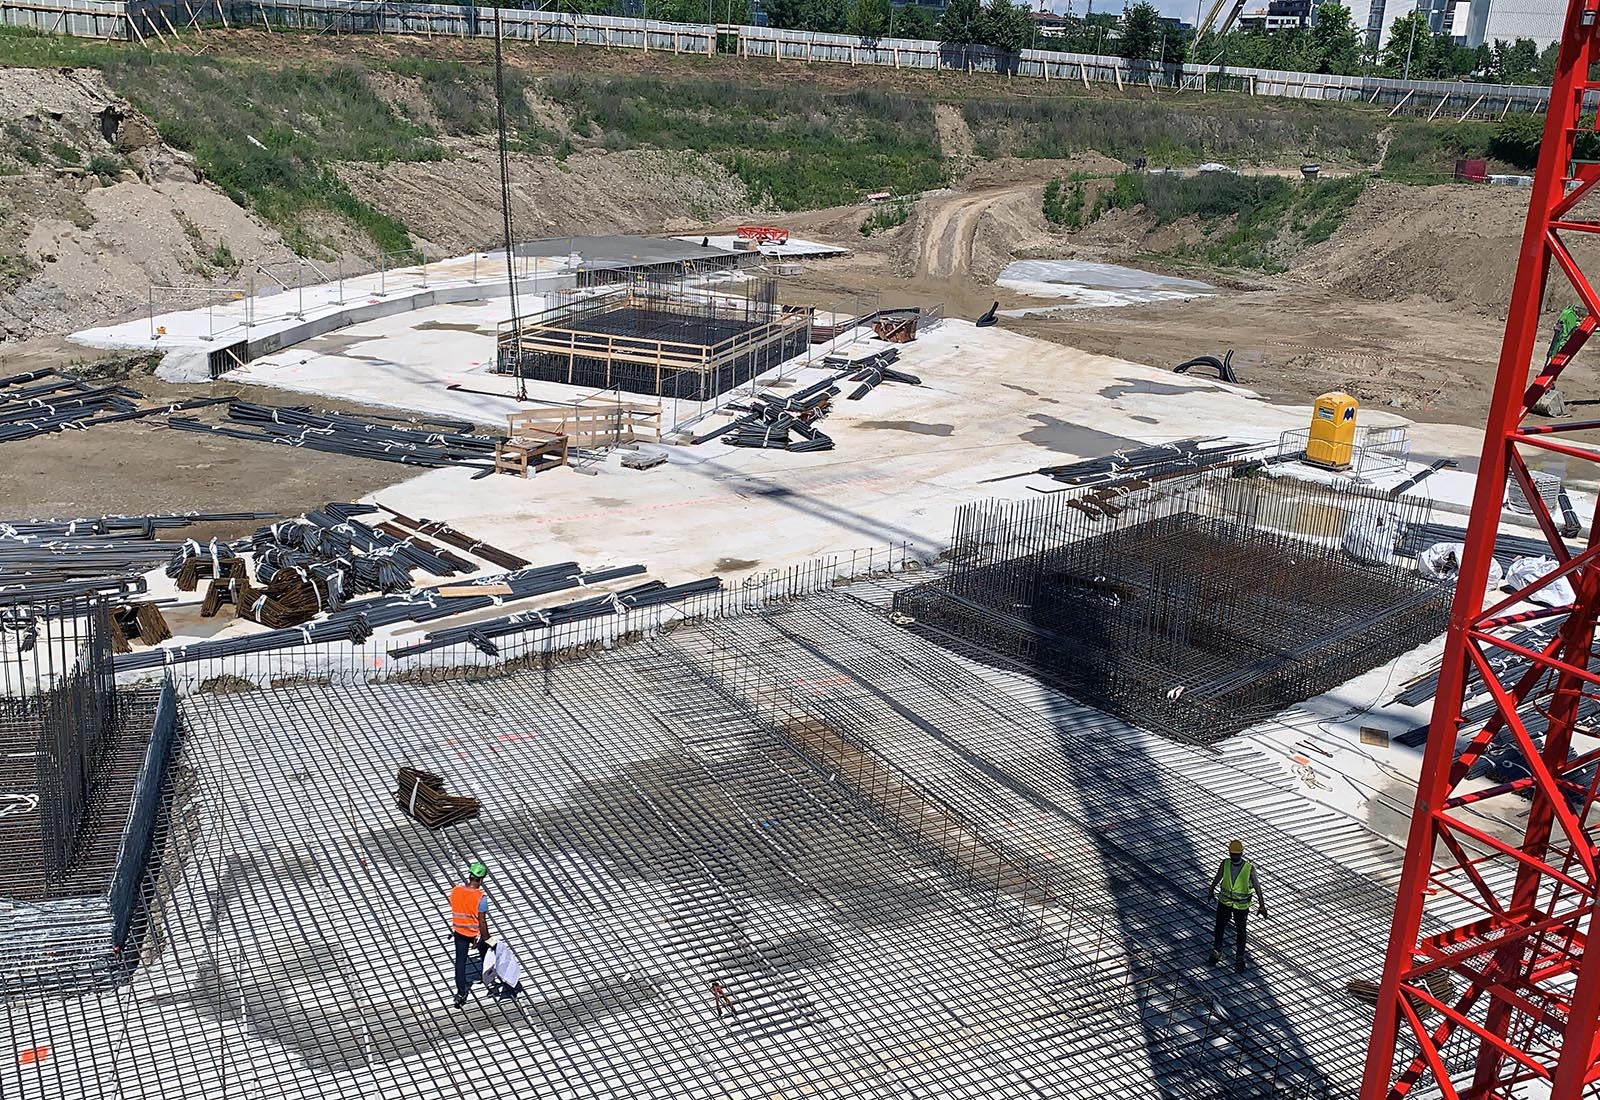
762,234
1488,988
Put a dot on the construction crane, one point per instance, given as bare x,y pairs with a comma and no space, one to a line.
1205,25
1488,988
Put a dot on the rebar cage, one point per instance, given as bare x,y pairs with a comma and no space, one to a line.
655,336
1196,609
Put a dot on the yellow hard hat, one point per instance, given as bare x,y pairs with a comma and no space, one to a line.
1236,847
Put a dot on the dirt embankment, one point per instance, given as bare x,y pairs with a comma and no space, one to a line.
94,208
453,206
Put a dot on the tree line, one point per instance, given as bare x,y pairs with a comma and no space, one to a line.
1333,45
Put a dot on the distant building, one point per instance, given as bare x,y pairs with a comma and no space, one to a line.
1278,15
1471,22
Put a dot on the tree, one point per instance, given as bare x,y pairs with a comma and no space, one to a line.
1005,26
785,14
1141,31
1335,46
805,15
913,21
959,23
1406,51
869,18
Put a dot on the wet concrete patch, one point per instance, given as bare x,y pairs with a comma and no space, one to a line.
733,565
453,326
1021,389
1073,439
1145,419
1145,388
916,428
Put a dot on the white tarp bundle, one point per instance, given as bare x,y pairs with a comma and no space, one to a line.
1442,562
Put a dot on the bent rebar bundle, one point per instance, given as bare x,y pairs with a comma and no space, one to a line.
1195,610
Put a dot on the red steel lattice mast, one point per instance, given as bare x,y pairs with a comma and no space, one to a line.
1488,989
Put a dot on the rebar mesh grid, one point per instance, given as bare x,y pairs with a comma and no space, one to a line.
1197,608
59,739
912,883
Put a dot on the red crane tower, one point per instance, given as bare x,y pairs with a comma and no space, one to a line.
1488,989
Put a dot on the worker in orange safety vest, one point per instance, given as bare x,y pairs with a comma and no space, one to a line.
469,924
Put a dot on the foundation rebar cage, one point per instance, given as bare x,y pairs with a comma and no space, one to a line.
58,717
657,333
1194,608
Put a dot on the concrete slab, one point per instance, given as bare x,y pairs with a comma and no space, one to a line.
795,248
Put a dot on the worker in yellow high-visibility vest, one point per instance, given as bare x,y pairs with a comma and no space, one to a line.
1238,880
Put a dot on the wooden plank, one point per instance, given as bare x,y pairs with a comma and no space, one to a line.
451,590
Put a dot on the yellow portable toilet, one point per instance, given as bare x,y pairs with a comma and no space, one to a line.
1333,431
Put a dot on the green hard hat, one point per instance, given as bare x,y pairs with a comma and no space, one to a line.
476,869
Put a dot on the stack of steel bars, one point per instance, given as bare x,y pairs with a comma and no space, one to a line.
481,635
1163,460
421,795
51,558
357,619
38,402
771,417
315,563
874,370
356,437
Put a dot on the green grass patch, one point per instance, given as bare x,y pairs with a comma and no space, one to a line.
1177,131
1248,222
794,147
1064,203
888,215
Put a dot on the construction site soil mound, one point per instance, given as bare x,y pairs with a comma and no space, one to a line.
1454,244
94,208
452,206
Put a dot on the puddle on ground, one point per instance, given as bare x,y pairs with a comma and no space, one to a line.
1021,389
1074,439
1085,285
1144,388
452,326
733,565
941,430
1146,419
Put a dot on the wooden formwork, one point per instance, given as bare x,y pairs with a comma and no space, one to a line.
597,422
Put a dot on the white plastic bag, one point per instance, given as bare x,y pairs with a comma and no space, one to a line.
1442,562
1524,571
1370,537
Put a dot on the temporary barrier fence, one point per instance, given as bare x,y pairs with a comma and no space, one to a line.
156,20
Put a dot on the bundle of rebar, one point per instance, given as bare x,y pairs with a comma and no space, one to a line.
42,559
421,796
770,418
481,635
874,370
317,562
1164,460
42,401
141,621
194,563
450,536
356,620
340,433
